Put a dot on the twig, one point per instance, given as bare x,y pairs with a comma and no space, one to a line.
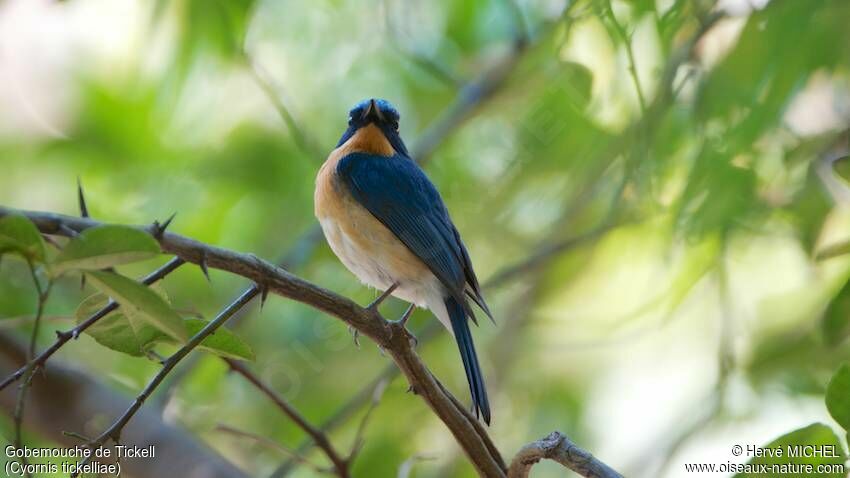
545,252
559,448
472,97
428,64
319,437
302,140
17,320
43,293
19,417
357,444
63,337
349,408
627,43
271,444
114,431
407,466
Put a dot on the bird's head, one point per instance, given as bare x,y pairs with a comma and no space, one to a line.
372,123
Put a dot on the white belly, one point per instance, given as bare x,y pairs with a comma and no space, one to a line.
376,266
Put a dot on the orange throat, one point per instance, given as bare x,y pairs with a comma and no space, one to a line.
368,139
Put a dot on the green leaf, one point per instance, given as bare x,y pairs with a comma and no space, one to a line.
19,234
223,342
835,323
139,302
838,396
816,434
105,246
115,331
121,333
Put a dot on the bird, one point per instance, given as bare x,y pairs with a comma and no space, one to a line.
387,223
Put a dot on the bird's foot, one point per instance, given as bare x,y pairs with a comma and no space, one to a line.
373,306
402,323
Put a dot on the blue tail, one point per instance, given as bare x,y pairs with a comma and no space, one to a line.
460,327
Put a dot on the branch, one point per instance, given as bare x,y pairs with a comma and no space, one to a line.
271,444
391,337
558,447
319,437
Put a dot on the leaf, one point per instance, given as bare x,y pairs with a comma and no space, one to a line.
119,332
114,331
223,342
838,396
139,302
105,246
818,435
19,234
835,324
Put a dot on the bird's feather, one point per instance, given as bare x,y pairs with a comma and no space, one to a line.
470,359
399,194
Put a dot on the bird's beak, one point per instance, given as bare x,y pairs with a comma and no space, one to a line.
373,111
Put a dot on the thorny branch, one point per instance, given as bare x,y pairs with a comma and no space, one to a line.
391,337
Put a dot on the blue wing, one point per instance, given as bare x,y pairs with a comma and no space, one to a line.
397,192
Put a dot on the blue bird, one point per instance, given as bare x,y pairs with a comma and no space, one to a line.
388,225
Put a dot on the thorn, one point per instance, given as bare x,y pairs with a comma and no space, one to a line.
159,229
412,389
75,334
81,198
203,264
264,294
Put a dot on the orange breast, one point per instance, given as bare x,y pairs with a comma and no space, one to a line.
364,244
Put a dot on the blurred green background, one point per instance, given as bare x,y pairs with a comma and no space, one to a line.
668,163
